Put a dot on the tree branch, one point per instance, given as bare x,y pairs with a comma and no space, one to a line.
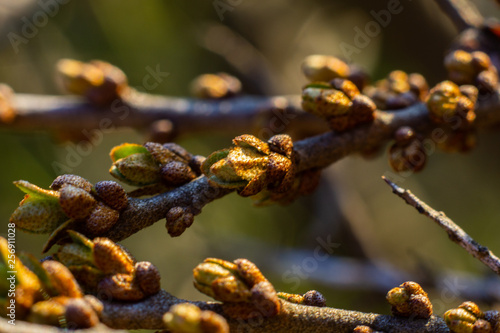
462,13
314,152
189,116
292,318
456,234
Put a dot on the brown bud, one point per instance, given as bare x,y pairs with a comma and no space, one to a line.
80,314
362,109
177,173
110,258
178,150
211,322
487,81
178,220
62,279
147,277
74,180
112,194
480,61
101,219
314,298
418,85
215,86
364,329
324,68
404,135
121,287
76,202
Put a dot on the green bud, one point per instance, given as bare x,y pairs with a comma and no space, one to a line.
39,211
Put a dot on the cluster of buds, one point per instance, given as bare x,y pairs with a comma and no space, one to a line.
252,165
339,102
240,285
188,318
44,293
398,90
310,298
7,111
452,105
468,318
407,153
161,167
99,82
365,329
324,68
73,203
409,300
472,68
215,86
102,266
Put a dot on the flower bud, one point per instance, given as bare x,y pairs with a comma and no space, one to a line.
121,287
178,220
112,194
101,219
188,318
99,81
249,166
215,86
62,279
76,202
74,180
39,211
110,258
324,68
147,277
409,299
446,102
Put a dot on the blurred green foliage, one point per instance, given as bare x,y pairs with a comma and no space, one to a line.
186,39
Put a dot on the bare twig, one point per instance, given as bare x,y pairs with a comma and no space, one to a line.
456,234
462,13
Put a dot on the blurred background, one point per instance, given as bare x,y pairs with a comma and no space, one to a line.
379,242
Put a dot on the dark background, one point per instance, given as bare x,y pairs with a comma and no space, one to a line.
263,44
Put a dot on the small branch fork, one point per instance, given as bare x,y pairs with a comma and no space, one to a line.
456,234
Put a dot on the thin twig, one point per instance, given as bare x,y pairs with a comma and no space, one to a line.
456,234
462,13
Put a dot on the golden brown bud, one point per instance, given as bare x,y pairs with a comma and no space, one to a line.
61,279
324,68
215,86
409,299
110,258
